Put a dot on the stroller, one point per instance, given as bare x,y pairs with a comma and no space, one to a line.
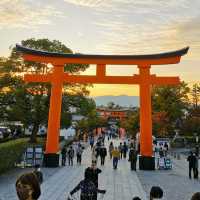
168,163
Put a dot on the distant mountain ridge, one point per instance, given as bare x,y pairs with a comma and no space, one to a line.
122,100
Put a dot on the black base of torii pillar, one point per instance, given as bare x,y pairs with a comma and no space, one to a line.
146,163
51,160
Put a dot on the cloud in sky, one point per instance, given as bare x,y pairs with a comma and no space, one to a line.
109,27
87,3
117,26
25,14
163,25
189,32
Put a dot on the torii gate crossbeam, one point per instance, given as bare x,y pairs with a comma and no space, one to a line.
144,79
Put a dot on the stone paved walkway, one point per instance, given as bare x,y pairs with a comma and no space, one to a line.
120,184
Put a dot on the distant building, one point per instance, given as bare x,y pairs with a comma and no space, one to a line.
114,113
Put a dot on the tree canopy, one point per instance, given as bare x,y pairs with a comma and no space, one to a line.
29,102
169,104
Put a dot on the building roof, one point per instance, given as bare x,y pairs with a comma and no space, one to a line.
113,110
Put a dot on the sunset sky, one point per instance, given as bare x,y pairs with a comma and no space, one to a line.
110,27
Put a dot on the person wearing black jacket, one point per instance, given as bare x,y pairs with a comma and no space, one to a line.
196,166
70,155
103,154
88,189
63,153
133,158
192,161
93,172
125,149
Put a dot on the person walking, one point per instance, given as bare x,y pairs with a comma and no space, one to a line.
116,156
103,154
192,161
132,158
196,166
166,148
108,134
93,155
79,152
63,153
93,173
111,147
120,150
156,155
70,155
125,149
88,189
91,142
197,150
161,152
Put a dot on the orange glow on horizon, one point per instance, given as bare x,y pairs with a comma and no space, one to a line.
115,90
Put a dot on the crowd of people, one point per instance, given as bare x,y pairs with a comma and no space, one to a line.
28,185
116,153
70,153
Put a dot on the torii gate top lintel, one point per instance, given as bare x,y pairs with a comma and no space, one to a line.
172,57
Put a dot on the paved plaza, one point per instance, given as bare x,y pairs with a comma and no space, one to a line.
121,184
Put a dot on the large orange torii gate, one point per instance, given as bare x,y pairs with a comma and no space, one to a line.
144,79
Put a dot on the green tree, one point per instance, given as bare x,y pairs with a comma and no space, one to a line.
132,123
171,100
191,123
195,93
91,121
29,103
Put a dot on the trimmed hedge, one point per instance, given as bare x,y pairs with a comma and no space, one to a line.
11,152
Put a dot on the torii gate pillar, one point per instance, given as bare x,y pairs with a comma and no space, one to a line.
146,160
51,159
